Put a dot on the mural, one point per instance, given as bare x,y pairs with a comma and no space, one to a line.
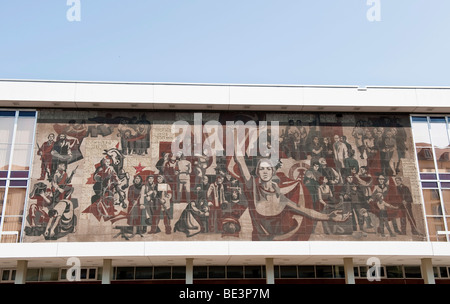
115,176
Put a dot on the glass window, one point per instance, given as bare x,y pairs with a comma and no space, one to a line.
162,272
306,271
200,272
288,271
216,272
446,200
25,129
92,273
16,128
5,275
144,273
423,144
178,272
339,271
356,271
22,157
441,145
428,176
253,272
49,274
16,200
276,269
99,273
7,120
125,273
394,272
5,152
443,272
32,274
2,196
324,271
235,272
432,201
412,272
436,224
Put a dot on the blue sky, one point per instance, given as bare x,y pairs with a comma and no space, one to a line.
315,42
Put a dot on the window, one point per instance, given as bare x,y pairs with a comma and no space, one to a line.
288,271
200,272
7,275
162,273
143,273
235,272
432,144
85,274
306,272
394,272
17,130
412,272
254,272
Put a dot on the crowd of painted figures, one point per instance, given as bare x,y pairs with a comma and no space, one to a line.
347,179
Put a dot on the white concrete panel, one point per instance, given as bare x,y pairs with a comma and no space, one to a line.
441,249
28,250
400,99
432,98
266,95
332,96
106,92
187,249
37,91
191,94
371,248
101,249
269,248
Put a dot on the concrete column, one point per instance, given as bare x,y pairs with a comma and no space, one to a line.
107,273
270,271
426,268
21,272
349,272
189,270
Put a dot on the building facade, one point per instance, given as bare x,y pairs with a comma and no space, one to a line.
205,183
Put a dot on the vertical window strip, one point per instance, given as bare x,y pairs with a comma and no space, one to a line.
425,178
5,234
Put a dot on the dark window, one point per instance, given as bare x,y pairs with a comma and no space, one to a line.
253,272
144,273
162,272
288,271
178,272
394,272
306,272
200,272
216,272
125,273
324,271
234,272
412,272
